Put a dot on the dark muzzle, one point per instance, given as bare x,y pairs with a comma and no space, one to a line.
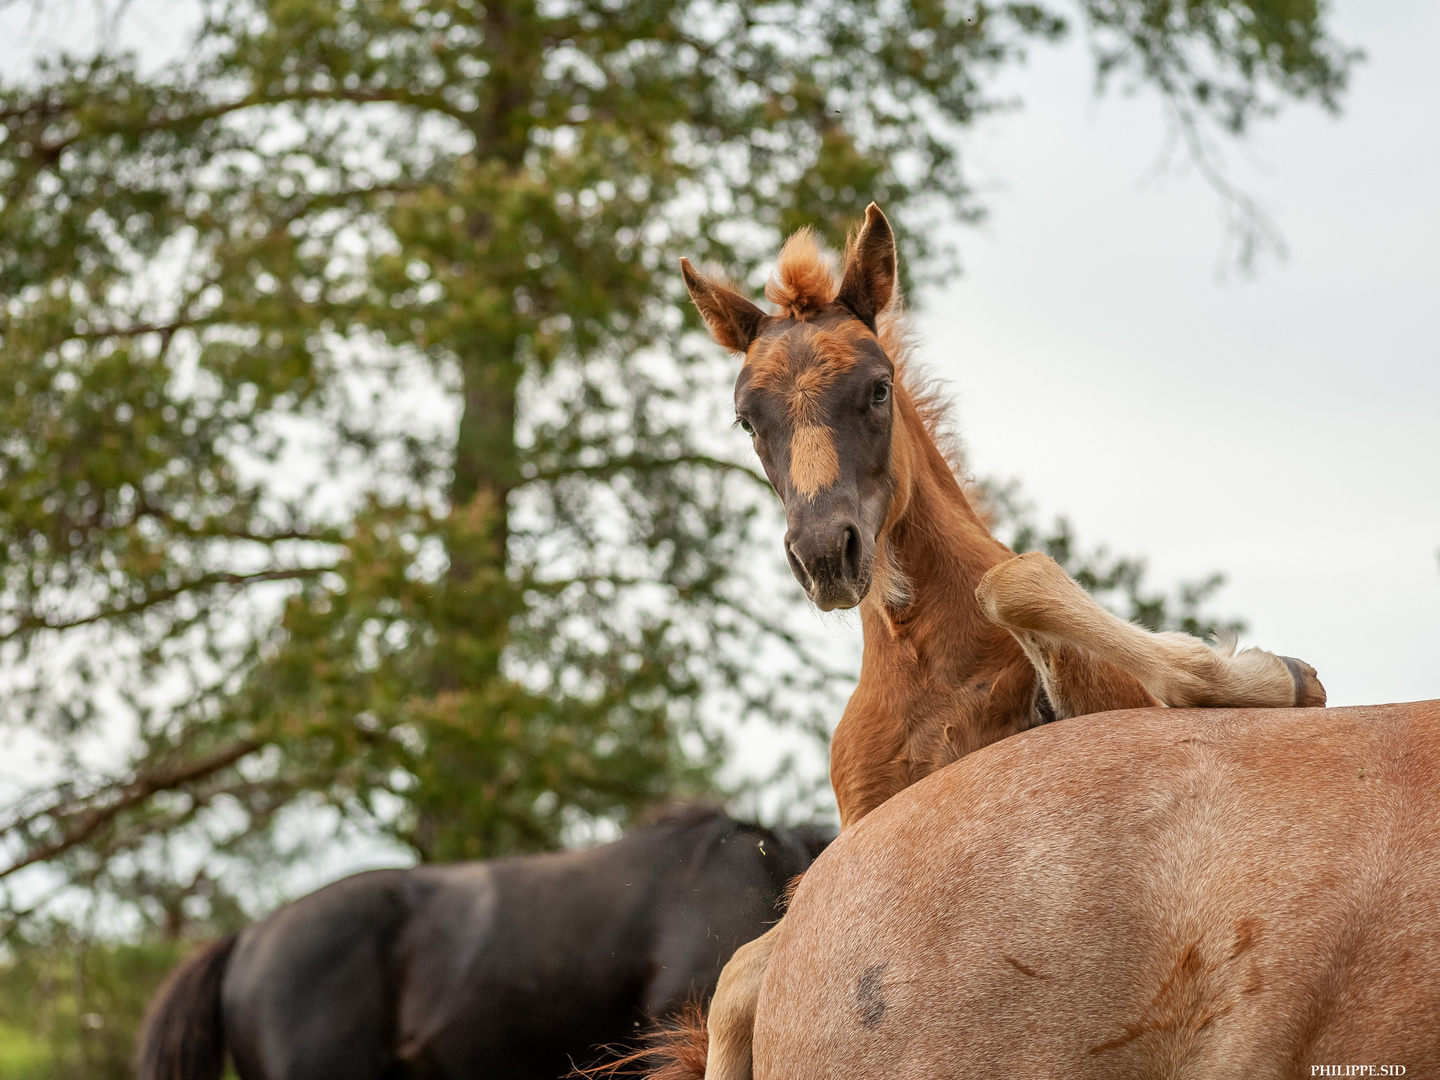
831,563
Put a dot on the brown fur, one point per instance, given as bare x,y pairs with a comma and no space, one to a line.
1154,893
732,320
802,370
944,672
802,363
814,465
1048,612
937,679
731,1020
804,278
769,362
673,1050
867,287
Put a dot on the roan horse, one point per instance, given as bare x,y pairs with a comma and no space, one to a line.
965,643
517,967
1180,894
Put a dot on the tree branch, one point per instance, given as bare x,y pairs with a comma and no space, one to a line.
85,824
644,464
30,624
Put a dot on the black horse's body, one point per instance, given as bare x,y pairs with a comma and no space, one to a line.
514,968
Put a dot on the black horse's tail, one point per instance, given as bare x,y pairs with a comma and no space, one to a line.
182,1037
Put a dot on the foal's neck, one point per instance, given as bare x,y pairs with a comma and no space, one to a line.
937,680
941,549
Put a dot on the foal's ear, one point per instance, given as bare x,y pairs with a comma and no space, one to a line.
733,321
869,280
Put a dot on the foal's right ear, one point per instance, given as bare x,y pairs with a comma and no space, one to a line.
733,321
869,281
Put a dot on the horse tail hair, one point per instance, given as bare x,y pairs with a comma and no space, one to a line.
674,1049
677,1050
182,1036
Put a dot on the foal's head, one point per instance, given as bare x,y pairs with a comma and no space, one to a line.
817,395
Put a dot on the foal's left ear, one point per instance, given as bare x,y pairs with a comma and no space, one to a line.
733,321
869,280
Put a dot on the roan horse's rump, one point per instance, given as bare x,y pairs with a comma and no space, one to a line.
1217,893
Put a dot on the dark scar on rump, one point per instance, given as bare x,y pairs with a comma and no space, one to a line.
1024,969
870,995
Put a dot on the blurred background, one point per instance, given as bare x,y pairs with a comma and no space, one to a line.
368,493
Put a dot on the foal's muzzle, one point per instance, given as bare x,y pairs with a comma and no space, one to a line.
831,562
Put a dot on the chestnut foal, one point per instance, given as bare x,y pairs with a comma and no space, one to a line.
965,643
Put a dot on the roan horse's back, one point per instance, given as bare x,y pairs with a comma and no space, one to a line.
1179,893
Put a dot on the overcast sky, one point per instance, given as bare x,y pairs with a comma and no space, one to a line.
1285,428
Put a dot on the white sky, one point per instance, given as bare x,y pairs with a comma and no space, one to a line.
1284,429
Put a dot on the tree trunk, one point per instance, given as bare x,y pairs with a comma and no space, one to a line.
487,464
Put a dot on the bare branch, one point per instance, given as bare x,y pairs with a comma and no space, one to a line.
31,624
118,797
646,464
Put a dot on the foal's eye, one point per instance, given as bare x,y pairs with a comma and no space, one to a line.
882,393
745,425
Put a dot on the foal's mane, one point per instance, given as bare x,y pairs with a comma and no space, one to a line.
807,279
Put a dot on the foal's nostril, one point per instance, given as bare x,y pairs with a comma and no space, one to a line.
852,552
798,569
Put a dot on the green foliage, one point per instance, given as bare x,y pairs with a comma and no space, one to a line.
358,450
70,1010
1227,61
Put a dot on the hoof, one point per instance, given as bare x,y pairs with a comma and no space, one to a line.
1309,694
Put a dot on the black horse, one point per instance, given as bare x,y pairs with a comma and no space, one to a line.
515,968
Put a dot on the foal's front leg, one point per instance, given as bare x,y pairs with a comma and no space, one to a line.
732,1009
1032,597
1076,683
